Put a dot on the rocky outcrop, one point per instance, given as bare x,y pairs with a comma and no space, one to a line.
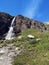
20,24
5,20
23,22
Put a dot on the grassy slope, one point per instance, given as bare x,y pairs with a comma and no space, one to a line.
35,53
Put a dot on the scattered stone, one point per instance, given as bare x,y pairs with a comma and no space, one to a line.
46,54
1,58
19,37
2,51
10,45
6,55
38,39
31,36
16,48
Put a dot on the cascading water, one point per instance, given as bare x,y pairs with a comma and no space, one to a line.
10,34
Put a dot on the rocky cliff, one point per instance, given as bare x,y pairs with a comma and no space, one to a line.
21,23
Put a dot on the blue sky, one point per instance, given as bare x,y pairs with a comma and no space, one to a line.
35,9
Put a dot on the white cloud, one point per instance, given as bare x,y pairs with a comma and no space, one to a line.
32,8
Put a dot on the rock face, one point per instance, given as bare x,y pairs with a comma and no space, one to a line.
5,20
21,23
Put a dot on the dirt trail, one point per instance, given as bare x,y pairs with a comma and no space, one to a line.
7,53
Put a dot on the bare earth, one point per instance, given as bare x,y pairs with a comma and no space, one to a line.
7,53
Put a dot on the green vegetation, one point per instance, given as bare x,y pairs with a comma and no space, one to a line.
35,52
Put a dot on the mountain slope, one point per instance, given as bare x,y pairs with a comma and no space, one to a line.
35,52
20,23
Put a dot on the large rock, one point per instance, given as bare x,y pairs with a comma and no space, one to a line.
23,22
5,20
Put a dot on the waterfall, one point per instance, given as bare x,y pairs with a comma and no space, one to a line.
10,34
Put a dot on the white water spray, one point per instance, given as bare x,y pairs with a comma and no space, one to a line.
10,34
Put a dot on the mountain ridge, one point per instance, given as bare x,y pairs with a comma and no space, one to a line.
20,24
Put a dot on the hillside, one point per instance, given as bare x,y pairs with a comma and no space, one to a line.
35,51
30,46
21,23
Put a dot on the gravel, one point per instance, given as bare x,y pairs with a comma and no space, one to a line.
7,53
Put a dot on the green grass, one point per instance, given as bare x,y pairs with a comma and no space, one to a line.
35,52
